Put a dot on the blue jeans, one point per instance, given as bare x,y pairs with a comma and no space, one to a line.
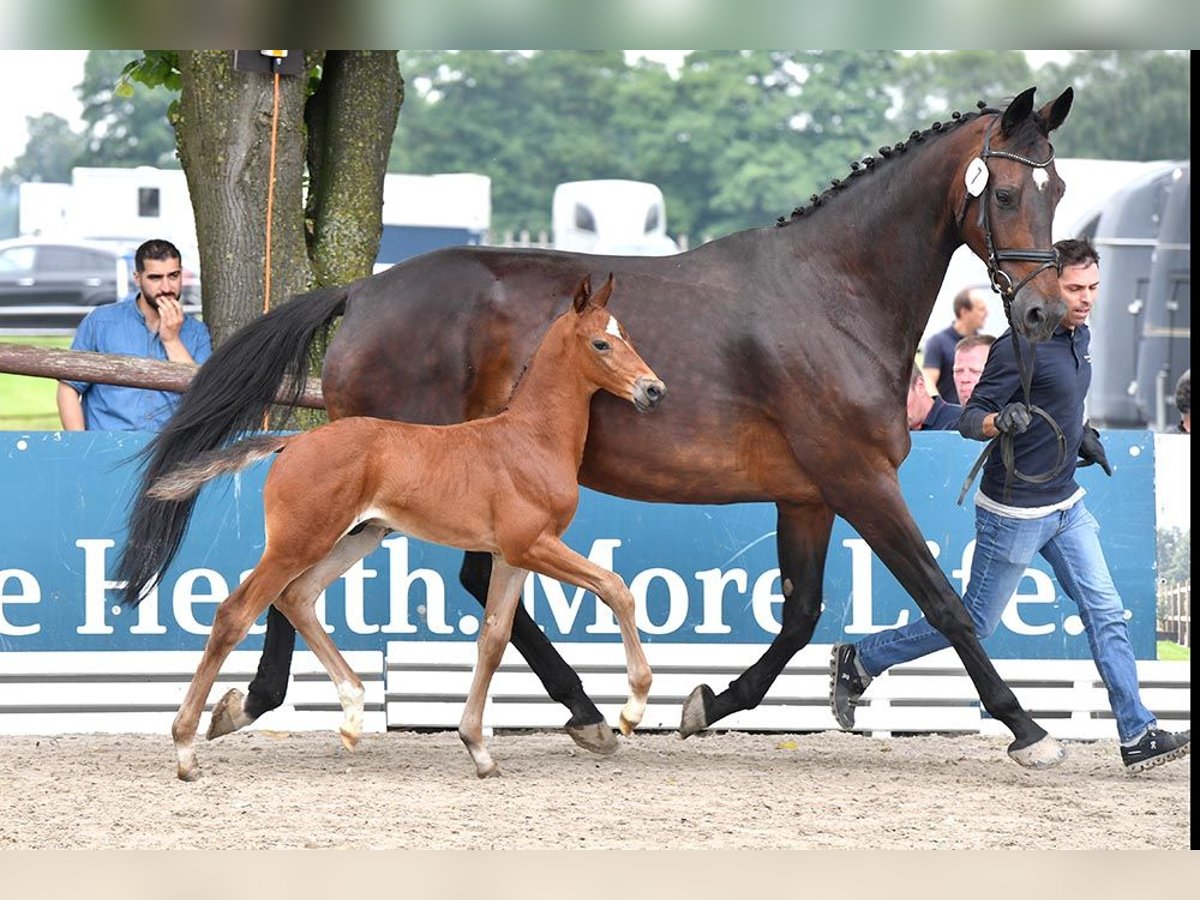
1004,547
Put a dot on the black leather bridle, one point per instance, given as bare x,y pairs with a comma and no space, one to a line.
1002,283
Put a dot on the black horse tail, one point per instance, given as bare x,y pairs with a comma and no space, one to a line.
229,396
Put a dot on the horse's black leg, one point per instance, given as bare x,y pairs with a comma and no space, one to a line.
269,687
876,509
802,539
586,725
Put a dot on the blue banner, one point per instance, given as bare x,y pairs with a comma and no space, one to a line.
699,573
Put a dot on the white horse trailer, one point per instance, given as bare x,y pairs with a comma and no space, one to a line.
611,216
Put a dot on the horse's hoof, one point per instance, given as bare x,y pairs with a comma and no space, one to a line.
1044,754
597,737
227,715
493,772
349,739
626,725
192,774
695,711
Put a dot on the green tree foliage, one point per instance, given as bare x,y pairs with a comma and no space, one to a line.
127,121
1129,104
52,150
1174,555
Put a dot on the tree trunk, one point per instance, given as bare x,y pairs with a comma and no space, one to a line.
224,135
343,132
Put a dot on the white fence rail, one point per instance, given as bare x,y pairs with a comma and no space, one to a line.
423,684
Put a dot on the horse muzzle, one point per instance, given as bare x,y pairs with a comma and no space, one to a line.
1037,317
647,392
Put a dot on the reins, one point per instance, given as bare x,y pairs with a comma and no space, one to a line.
1002,284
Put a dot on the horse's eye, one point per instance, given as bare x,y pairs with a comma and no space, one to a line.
1005,197
600,344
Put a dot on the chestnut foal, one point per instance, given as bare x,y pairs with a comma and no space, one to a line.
506,485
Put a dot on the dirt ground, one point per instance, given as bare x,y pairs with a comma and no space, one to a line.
725,790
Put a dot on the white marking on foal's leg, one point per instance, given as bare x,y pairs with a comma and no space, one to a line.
187,769
352,702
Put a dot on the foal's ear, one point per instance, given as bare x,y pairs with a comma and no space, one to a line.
1052,114
606,289
1018,111
583,294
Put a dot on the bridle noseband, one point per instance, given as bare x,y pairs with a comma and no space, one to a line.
1002,284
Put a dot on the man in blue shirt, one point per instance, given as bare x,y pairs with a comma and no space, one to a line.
970,312
926,413
149,323
1015,519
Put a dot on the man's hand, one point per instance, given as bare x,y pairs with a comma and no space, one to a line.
1013,419
170,318
1092,451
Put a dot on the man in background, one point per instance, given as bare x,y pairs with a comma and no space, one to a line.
926,413
970,356
149,323
970,312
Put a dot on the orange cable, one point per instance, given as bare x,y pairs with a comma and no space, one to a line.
270,209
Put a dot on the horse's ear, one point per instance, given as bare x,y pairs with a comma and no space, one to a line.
606,289
1054,113
583,294
1018,111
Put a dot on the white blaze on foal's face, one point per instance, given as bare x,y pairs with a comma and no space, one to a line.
613,328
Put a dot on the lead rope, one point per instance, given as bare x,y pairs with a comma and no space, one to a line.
275,63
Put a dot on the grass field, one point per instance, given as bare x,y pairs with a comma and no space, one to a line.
27,403
1172,651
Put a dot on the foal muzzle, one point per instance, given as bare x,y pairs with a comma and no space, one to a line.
647,392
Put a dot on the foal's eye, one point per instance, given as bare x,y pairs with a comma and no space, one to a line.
600,344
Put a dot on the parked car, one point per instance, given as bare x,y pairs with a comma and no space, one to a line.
50,284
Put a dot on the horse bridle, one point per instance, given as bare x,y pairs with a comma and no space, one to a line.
1002,284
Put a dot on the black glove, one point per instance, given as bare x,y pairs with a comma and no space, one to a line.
1092,451
1013,419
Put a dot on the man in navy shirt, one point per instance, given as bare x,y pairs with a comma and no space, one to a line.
149,323
970,312
1015,519
926,413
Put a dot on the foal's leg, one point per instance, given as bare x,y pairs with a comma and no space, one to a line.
550,556
233,619
298,604
802,540
586,726
504,593
873,504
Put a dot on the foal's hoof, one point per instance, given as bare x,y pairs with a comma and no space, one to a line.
493,772
695,711
349,739
626,725
192,774
227,715
1044,754
596,737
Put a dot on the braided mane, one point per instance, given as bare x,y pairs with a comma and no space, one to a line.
860,167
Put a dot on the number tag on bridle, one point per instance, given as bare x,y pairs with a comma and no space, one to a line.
977,177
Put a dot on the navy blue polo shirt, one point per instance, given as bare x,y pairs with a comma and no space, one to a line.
120,328
939,354
942,416
1062,374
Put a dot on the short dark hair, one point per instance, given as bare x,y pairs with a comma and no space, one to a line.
1183,393
1076,252
157,249
975,340
963,301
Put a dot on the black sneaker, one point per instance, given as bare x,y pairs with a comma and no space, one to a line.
1155,748
846,683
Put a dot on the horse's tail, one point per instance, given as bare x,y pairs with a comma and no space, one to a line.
185,480
230,394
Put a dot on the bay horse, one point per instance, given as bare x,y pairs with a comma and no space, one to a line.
505,486
788,350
